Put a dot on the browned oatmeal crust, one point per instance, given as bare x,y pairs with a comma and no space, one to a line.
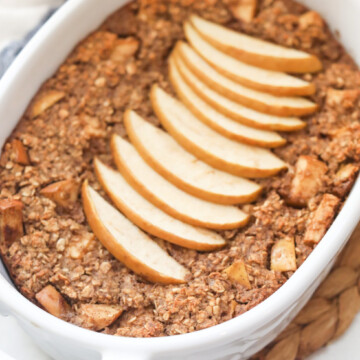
71,120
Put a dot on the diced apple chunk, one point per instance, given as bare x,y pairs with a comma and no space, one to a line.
310,19
45,101
244,9
124,49
19,153
80,245
53,302
345,172
91,127
237,273
63,193
345,98
283,256
11,221
321,219
308,180
344,179
128,243
97,317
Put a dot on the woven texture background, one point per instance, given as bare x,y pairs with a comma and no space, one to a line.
21,14
327,315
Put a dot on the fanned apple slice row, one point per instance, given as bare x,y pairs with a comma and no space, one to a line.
273,82
151,219
254,99
231,108
183,169
208,145
255,51
219,122
129,244
168,197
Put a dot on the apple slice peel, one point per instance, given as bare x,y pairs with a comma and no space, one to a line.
254,99
168,197
183,169
217,121
209,146
150,218
273,82
129,244
255,51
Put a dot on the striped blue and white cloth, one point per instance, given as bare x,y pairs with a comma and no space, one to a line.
19,20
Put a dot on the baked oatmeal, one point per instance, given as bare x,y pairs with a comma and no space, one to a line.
54,254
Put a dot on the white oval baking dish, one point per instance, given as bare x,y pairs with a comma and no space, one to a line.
235,339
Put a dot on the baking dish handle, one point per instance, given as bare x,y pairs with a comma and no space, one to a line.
114,355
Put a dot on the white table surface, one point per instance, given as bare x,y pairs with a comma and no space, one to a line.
15,343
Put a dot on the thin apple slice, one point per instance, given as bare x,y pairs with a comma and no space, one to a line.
228,107
63,193
208,145
150,218
283,256
273,82
219,122
98,316
128,243
168,197
183,169
255,51
254,99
